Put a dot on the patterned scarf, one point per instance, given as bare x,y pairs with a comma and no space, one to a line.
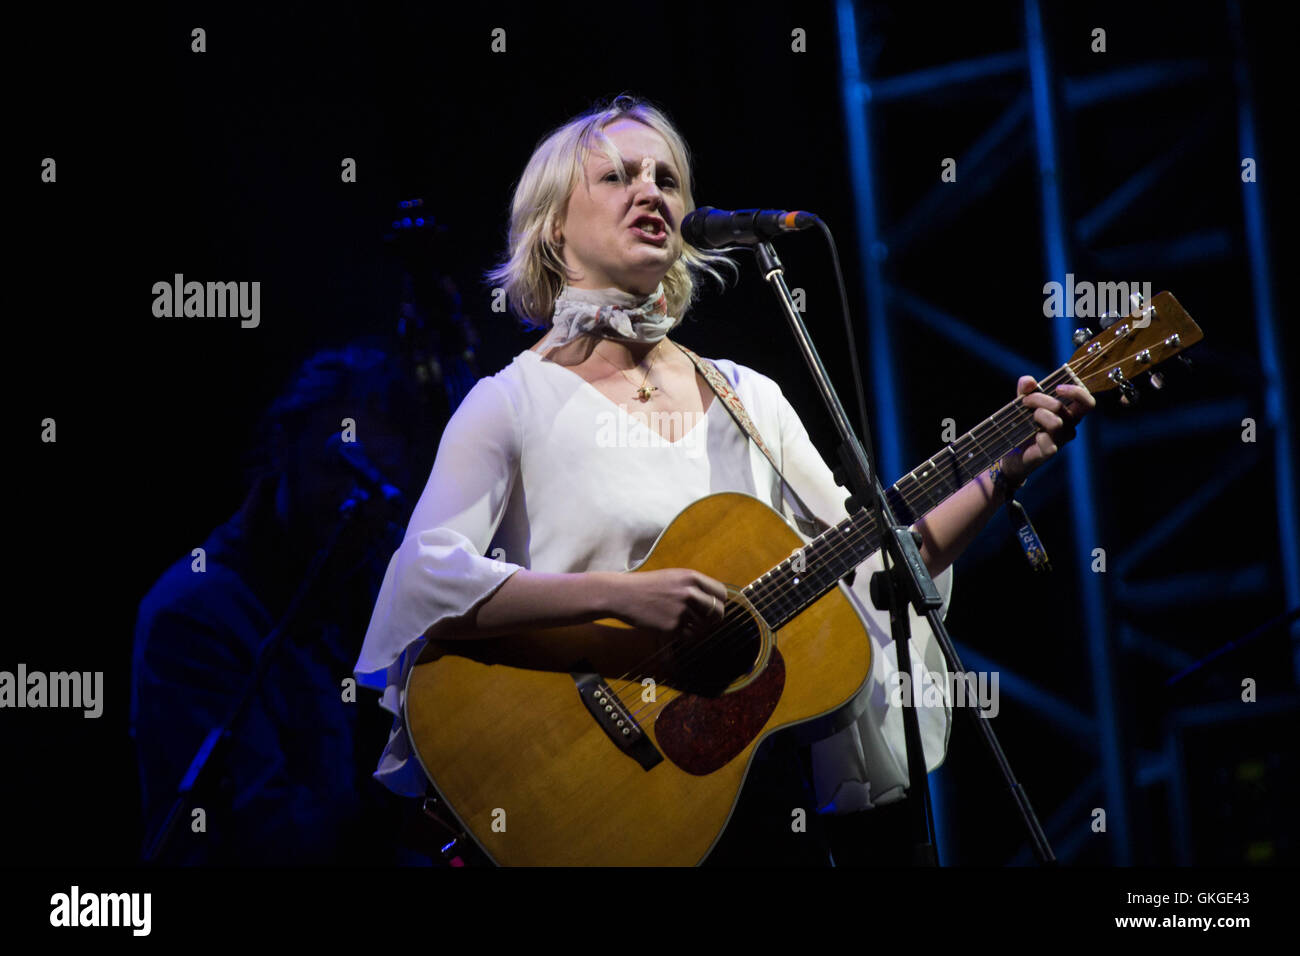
611,313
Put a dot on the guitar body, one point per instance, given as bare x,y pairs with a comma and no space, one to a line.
501,728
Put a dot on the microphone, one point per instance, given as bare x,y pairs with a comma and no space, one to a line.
709,228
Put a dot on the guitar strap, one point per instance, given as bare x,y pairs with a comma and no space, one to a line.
718,382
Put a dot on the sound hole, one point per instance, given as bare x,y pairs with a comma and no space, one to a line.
710,664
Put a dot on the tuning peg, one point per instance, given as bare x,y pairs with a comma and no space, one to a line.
1128,391
1135,301
1109,318
1081,335
1157,380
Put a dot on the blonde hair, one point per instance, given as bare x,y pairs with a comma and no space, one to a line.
533,272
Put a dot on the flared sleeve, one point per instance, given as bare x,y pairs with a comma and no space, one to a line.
865,764
443,567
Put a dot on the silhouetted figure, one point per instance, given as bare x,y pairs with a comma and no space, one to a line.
297,777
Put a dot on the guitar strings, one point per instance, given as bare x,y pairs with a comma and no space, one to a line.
1002,427
852,536
849,539
1008,420
737,622
726,633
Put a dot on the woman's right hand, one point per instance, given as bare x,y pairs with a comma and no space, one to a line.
676,601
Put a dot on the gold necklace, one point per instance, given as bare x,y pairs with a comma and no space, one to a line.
644,391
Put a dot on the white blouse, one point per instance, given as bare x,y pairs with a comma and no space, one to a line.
539,469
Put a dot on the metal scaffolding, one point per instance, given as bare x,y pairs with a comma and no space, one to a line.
1031,124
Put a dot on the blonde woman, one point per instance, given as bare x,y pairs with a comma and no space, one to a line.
559,472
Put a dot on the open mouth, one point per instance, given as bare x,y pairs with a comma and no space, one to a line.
652,230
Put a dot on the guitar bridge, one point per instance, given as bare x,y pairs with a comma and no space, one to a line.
614,718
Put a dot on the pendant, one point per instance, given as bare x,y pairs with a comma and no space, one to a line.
645,391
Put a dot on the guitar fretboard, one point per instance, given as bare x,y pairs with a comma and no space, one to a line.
784,592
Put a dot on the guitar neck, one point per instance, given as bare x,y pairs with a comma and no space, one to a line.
918,492
785,591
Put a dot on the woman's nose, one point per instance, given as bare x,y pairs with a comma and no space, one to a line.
649,194
647,177
647,190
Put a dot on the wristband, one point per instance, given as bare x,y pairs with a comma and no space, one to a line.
1035,553
1002,483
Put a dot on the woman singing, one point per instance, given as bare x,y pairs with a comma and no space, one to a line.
559,472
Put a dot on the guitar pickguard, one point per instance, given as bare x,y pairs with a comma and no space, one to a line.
701,734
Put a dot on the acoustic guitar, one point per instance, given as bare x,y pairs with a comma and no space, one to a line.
600,744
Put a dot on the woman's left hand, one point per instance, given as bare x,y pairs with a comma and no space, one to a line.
1057,416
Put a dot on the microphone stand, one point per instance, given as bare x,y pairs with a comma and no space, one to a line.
905,576
202,779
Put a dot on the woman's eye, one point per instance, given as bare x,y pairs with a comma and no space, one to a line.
613,176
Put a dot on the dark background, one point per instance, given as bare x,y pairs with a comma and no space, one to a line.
225,165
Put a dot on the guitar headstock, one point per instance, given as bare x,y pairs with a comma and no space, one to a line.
1153,333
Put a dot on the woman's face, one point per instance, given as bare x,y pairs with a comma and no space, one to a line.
610,237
